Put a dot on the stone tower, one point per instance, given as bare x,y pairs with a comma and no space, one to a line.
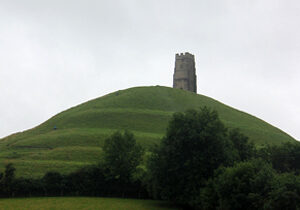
185,72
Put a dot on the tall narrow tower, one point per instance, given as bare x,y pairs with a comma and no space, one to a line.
185,72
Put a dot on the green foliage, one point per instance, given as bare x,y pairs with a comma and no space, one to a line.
244,186
285,193
195,145
121,156
193,166
245,149
7,181
9,174
88,181
52,183
285,157
255,184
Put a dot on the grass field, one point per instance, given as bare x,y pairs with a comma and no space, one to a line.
74,203
145,111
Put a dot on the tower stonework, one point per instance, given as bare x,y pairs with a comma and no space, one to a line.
185,72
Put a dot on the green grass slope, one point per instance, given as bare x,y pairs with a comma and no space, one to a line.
81,130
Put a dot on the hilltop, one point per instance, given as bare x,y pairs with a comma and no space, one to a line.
81,130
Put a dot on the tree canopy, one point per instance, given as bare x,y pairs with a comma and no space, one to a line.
195,144
121,156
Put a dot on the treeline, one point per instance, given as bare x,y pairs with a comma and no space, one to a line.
199,164
88,181
115,176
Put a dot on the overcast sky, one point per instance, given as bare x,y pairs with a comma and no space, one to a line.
55,54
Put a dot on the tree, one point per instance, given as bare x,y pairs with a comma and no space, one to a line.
8,180
246,185
285,192
196,143
244,148
53,183
121,156
284,157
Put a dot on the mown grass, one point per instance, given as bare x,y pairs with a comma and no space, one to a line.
145,111
82,203
38,168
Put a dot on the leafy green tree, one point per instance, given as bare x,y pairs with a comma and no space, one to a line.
121,156
196,143
52,183
9,174
285,193
245,149
246,185
284,157
8,180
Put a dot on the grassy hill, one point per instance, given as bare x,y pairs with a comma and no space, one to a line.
81,130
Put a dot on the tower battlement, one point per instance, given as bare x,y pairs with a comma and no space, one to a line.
184,55
185,72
